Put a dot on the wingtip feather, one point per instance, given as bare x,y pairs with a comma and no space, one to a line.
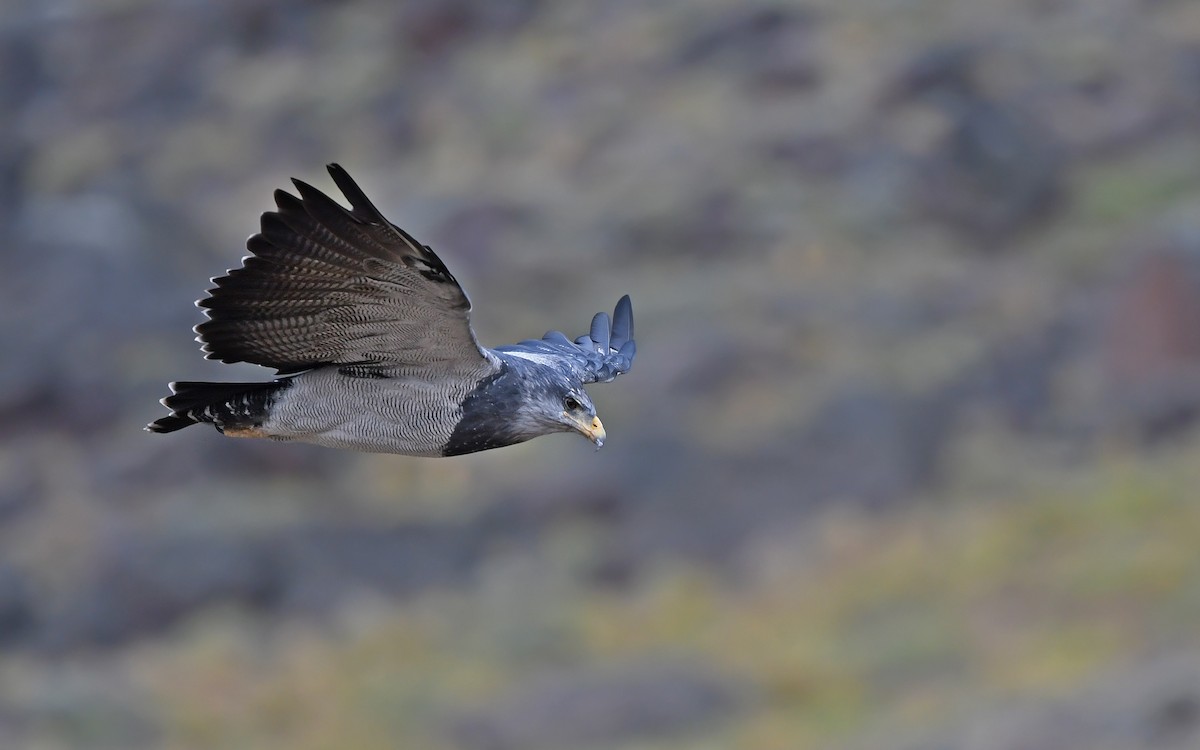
601,331
359,201
622,327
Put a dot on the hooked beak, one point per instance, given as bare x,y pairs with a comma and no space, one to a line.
593,430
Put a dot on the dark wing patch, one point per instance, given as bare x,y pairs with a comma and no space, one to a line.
326,285
602,354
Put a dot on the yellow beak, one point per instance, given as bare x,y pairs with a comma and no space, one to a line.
593,430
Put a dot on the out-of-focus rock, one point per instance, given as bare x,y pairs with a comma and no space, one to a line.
867,447
993,171
1151,342
1186,70
1153,704
16,605
813,156
473,231
323,564
1016,377
432,27
573,709
145,585
770,44
870,446
142,586
705,228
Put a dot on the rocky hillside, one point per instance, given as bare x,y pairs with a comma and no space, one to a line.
908,458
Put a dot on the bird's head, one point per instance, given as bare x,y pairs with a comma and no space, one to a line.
559,405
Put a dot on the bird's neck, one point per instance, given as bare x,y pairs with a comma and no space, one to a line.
491,416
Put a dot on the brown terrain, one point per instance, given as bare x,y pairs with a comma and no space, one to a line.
909,458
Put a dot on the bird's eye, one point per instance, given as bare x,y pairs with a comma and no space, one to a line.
571,403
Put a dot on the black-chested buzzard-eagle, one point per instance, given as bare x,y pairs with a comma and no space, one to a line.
371,337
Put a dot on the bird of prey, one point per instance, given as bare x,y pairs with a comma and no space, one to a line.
371,338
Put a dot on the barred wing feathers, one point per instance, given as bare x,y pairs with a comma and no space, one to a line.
324,285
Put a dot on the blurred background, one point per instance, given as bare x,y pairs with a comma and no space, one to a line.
908,458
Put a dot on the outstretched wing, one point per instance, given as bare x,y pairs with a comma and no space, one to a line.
326,285
596,357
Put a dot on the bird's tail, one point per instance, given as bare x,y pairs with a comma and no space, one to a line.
233,407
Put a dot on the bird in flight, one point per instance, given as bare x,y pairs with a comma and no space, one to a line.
371,338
